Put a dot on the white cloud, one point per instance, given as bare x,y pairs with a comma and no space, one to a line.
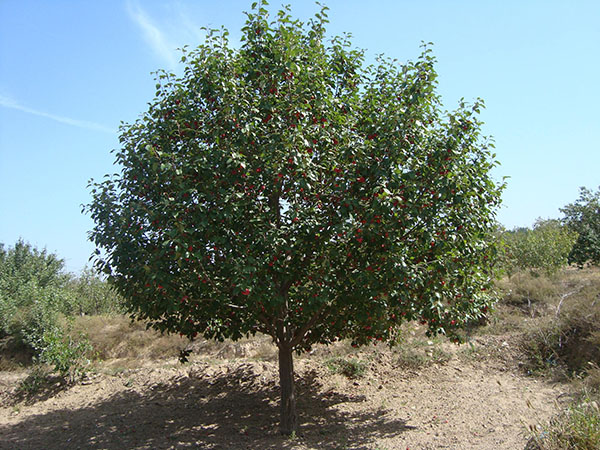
154,36
193,31
7,102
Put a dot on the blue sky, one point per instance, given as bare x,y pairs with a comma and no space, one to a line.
71,71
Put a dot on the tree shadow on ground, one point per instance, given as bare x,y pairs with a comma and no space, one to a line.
237,410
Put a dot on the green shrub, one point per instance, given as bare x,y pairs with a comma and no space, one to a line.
35,380
23,263
68,357
92,295
31,293
29,312
351,368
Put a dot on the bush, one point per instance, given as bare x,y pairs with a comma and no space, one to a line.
413,358
35,381
67,356
351,368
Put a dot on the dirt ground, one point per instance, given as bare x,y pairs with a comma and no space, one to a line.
218,402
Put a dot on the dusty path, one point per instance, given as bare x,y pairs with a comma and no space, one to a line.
232,404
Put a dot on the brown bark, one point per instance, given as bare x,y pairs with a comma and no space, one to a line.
289,418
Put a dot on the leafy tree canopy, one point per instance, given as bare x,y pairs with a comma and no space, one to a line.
286,188
22,264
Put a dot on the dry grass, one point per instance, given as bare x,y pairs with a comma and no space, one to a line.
416,350
554,322
569,337
530,293
116,337
121,342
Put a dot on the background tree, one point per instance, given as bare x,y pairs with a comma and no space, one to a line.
92,294
284,188
31,291
583,217
543,249
34,298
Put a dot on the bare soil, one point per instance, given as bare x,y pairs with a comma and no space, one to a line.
476,399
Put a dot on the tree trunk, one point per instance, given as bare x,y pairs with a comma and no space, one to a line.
289,419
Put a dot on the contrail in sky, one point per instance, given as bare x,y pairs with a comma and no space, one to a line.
12,104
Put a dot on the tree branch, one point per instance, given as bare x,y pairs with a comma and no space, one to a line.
308,325
270,330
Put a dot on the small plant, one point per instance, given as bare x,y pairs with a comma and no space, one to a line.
541,346
578,427
351,368
37,378
413,358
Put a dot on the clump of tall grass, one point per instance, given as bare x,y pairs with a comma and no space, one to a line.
569,338
577,427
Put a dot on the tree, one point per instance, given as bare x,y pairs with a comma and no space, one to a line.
34,293
31,293
92,295
544,248
284,188
583,217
